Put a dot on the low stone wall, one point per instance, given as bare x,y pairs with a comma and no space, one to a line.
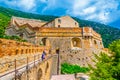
40,71
11,47
11,50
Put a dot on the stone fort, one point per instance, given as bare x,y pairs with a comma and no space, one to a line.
63,35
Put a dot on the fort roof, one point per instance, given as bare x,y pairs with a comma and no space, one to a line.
36,25
32,22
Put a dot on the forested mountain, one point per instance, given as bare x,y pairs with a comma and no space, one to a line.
108,33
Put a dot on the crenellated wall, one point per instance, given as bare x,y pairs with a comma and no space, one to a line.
11,47
11,50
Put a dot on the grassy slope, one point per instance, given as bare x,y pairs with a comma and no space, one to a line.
3,23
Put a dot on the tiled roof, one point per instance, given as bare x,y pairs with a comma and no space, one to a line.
32,22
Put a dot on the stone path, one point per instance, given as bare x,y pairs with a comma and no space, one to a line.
63,77
20,70
79,76
7,63
11,72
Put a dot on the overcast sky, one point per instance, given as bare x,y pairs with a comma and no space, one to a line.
103,11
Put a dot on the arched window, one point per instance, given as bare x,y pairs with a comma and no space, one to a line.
21,35
95,42
76,42
44,41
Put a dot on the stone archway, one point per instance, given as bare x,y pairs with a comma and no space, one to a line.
39,74
21,35
45,42
95,43
76,42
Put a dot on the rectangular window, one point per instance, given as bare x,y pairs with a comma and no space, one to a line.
59,21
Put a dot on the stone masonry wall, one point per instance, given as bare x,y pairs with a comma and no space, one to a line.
41,71
75,55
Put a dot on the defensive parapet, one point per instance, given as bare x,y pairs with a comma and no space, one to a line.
15,54
89,32
11,47
59,32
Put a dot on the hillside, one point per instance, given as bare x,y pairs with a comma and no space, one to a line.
108,33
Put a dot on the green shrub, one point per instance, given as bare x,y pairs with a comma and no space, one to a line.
17,38
67,68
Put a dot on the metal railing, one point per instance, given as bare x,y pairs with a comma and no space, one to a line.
16,67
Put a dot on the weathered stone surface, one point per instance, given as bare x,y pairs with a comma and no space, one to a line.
11,50
76,45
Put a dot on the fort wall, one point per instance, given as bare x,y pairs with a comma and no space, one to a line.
11,47
64,33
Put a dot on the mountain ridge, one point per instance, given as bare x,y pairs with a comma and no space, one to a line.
107,32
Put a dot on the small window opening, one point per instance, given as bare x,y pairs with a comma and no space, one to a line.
59,21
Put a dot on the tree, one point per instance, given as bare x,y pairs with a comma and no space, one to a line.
107,66
115,48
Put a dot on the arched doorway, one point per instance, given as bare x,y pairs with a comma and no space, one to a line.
45,42
39,74
95,43
21,35
76,42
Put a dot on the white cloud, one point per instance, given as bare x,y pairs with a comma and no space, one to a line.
102,17
105,11
89,10
80,4
101,11
26,5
